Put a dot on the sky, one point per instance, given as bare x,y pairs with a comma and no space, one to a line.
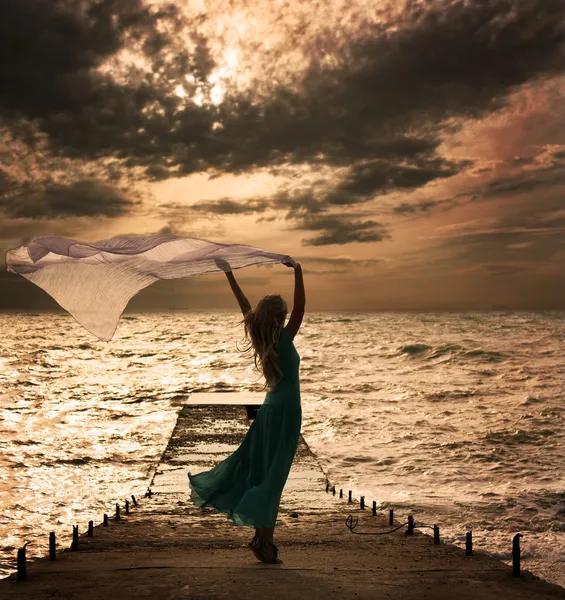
411,154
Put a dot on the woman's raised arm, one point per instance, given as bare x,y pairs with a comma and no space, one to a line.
237,291
297,313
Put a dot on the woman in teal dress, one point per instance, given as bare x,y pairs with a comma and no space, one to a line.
248,484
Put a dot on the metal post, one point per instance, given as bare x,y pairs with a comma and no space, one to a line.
410,530
117,512
333,490
341,493
516,555
21,563
362,502
374,508
105,523
469,544
327,487
436,535
74,544
90,529
127,507
350,497
390,516
134,500
52,546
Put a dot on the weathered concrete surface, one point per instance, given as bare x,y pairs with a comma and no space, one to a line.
168,549
203,436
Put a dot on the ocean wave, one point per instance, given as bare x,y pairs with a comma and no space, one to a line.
444,349
488,355
414,349
341,320
442,395
506,438
532,400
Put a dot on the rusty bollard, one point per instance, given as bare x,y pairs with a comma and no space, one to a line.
127,507
362,502
350,497
52,546
74,543
105,521
436,535
516,555
469,544
117,512
90,529
374,508
390,516
410,530
134,500
21,574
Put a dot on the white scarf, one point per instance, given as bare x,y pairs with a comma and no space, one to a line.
94,282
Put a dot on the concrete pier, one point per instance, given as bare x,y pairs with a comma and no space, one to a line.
168,549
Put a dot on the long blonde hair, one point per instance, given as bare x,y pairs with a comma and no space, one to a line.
263,326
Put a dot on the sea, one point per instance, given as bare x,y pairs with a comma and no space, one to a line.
457,418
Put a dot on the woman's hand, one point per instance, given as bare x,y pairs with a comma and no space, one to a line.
289,264
222,264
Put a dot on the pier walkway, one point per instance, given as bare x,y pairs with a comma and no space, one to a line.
167,549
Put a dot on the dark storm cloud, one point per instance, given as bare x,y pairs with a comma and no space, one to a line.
546,169
226,206
296,203
341,229
422,206
301,202
394,85
55,49
523,182
365,180
397,83
308,206
373,105
306,212
78,199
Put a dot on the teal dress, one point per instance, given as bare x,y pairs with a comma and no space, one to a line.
248,484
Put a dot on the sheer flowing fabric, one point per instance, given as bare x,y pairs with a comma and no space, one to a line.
94,282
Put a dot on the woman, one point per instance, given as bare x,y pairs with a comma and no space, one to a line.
247,485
